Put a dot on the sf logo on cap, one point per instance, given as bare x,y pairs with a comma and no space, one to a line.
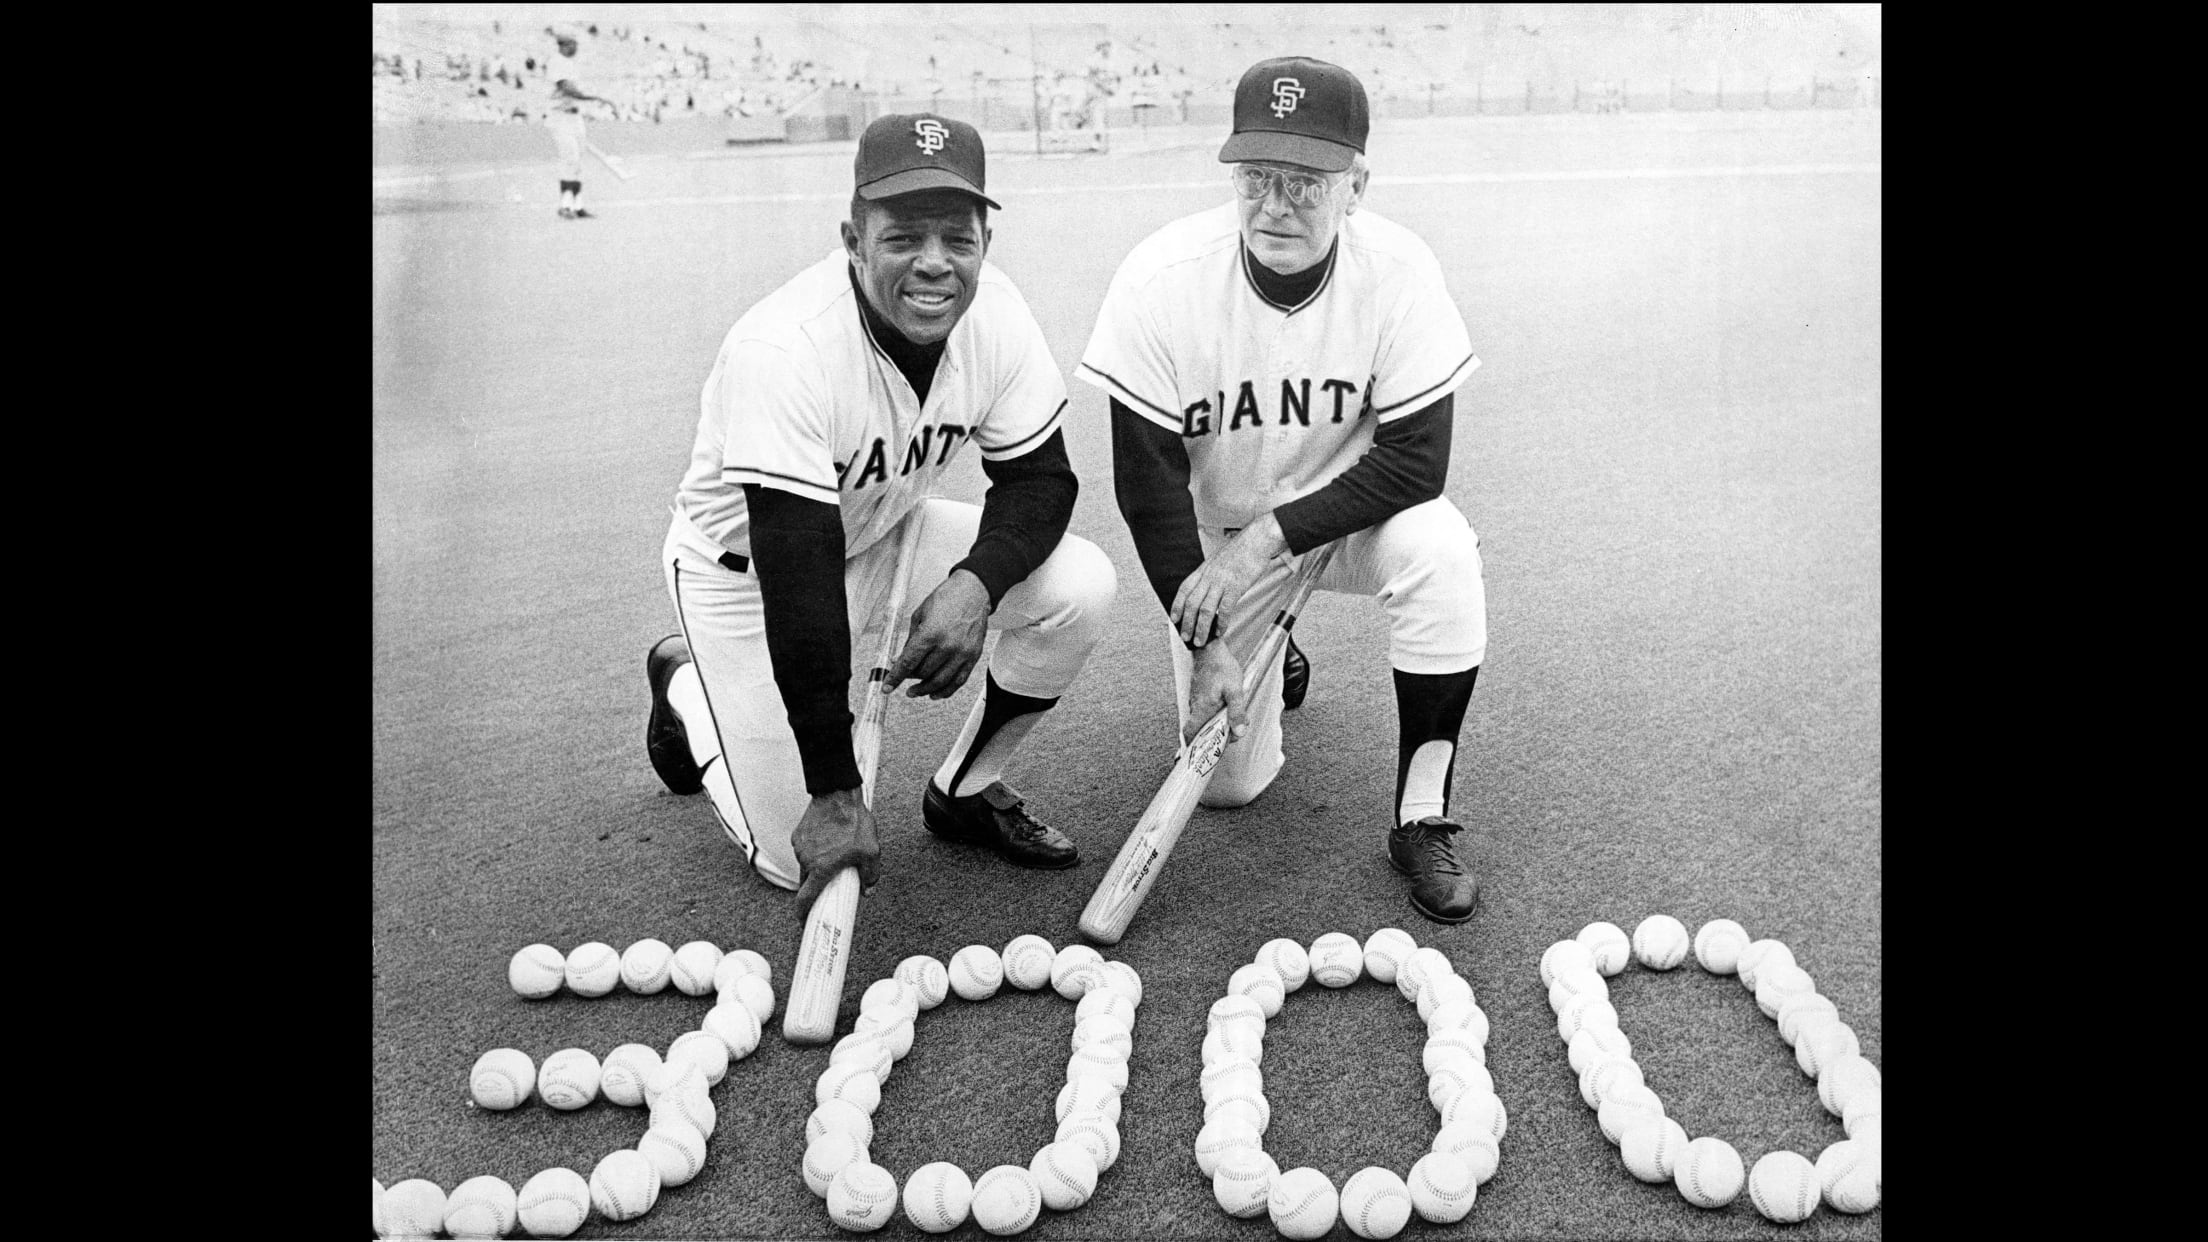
1286,91
932,135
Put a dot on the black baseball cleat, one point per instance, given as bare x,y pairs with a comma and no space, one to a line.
664,738
998,818
585,213
1443,887
1295,677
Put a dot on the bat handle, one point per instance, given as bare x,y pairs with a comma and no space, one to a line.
816,983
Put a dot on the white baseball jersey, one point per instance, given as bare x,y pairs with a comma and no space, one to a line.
802,399
569,68
1273,403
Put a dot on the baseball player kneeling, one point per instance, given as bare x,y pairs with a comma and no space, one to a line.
834,404
1280,371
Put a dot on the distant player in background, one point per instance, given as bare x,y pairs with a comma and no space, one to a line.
1281,371
566,122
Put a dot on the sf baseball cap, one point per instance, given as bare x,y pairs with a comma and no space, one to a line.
1297,110
903,154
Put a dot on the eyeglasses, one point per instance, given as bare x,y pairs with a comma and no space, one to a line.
1254,182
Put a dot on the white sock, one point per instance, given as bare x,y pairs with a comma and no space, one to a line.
989,765
686,694
1423,784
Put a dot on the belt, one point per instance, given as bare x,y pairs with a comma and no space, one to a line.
740,564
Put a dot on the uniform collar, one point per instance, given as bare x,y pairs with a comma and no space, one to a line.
1290,294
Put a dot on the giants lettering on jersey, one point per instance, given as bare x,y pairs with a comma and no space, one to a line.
1295,404
941,439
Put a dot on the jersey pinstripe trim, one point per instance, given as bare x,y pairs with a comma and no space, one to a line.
1455,377
807,488
1021,446
1133,398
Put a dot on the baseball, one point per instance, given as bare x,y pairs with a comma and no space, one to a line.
1660,942
1251,1106
1777,981
705,1048
1718,946
1709,1173
1755,955
753,992
1100,1063
1845,1079
1864,1109
1472,1143
1375,1203
1453,1079
1236,1008
1442,1188
891,1027
1302,1203
1095,1132
1120,976
692,967
1106,1001
1073,970
838,1115
1102,1029
645,966
568,1079
378,1205
554,1203
1460,1017
624,1186
480,1207
1801,1009
414,1208
1261,983
675,1148
622,1075
1823,1043
930,982
1607,944
976,972
735,964
1088,1095
1594,1043
827,1155
853,1082
502,1079
1424,963
1006,1198
1442,990
1482,1109
736,1025
682,1075
1221,1135
1450,1046
1562,954
1065,1173
1336,961
1243,1182
1652,1148
1583,1011
1605,1077
1385,952
1850,1176
537,971
1574,981
938,1194
593,969
690,1105
1230,1075
1784,1186
889,994
1232,1043
1288,960
867,1049
862,1197
1626,1106
1027,962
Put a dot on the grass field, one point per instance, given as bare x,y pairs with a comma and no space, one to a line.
1672,453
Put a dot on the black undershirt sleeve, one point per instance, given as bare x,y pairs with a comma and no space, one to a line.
797,551
1408,464
1150,481
1023,515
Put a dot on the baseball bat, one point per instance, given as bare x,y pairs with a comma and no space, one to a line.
1143,855
824,954
613,165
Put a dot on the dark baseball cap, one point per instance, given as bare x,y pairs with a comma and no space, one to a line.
904,154
1297,110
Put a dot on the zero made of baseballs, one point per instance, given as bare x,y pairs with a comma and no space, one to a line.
929,980
554,1203
414,1208
827,1155
1006,1199
622,1075
503,1078
1756,954
1660,942
1375,1203
675,1148
691,968
1303,1203
645,966
1442,1188
937,1197
1562,954
537,971
1065,1173
1027,962
1709,1174
1651,1150
1850,1176
1608,944
624,1185
1385,952
1243,1183
569,1078
1290,960
593,969
1336,959
862,1197
481,1207
1784,1187
976,971
1717,946
1260,983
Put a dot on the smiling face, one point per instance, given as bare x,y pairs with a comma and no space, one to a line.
918,257
1289,238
